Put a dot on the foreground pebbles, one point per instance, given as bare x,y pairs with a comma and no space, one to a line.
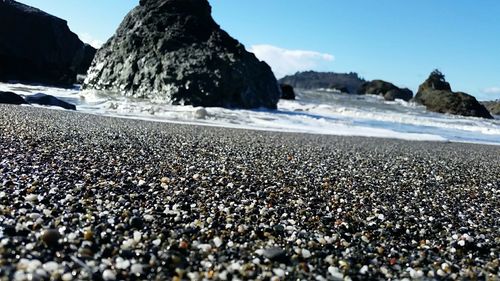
84,197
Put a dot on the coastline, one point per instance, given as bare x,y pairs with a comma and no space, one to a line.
147,200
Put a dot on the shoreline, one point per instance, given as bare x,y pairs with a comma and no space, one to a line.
134,199
328,117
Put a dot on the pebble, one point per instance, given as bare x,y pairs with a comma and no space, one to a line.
200,113
129,199
67,277
51,237
136,269
306,253
108,275
275,254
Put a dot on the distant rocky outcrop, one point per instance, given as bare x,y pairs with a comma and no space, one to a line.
312,80
287,92
11,98
173,51
388,90
492,106
436,94
43,99
38,47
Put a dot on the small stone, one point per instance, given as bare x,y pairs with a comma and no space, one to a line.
306,253
363,270
275,254
50,266
67,277
200,113
441,273
109,275
88,235
51,237
136,269
217,242
31,197
279,272
336,274
183,245
136,222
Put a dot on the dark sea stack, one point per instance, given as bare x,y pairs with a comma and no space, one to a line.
11,98
39,48
43,99
173,51
492,106
287,92
436,94
388,90
312,80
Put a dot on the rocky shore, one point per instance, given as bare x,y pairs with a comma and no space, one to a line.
84,197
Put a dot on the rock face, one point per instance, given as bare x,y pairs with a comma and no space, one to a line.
492,106
436,94
173,51
11,98
388,90
287,92
312,80
43,99
38,47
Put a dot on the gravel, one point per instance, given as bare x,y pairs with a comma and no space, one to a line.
85,197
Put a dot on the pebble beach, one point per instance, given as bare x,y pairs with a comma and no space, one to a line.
86,197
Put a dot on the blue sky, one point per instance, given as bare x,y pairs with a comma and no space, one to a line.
395,40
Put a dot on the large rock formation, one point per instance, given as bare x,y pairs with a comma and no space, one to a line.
38,47
11,98
492,106
173,51
388,90
287,92
312,80
43,99
436,94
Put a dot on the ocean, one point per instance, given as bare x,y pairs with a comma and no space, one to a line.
314,112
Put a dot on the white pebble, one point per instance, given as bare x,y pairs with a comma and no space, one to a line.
20,276
67,277
217,242
306,253
335,273
279,272
363,269
137,236
108,275
31,197
122,263
51,266
136,269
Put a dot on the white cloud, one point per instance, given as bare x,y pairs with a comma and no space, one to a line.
284,61
89,39
492,91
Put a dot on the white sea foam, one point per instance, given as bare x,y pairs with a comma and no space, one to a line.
317,112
